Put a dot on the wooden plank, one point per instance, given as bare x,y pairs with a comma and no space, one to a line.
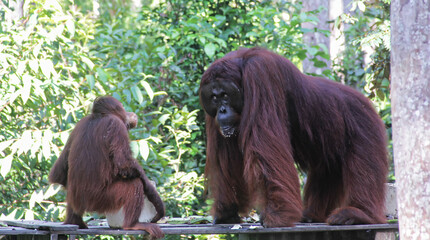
21,231
333,235
22,227
41,225
173,229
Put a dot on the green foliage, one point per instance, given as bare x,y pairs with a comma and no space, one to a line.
42,96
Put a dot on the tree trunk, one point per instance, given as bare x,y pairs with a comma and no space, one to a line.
314,38
335,43
410,64
13,12
337,38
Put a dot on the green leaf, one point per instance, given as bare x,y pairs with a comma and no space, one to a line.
90,80
29,214
34,65
127,93
210,49
144,149
52,190
319,64
361,6
380,94
302,55
148,89
385,83
26,142
5,144
164,118
37,142
36,197
5,165
323,47
70,27
64,136
88,62
36,50
25,93
137,94
46,143
102,75
202,40
47,67
21,67
117,96
56,32
313,50
134,148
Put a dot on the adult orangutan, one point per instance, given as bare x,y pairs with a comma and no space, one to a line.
262,116
99,173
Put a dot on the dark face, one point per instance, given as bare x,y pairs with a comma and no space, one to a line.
222,100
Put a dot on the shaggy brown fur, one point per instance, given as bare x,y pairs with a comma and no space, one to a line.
329,130
98,170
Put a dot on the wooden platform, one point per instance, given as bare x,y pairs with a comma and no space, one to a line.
52,230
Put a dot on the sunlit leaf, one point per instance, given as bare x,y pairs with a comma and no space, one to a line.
34,65
137,94
210,49
25,93
116,95
361,6
25,142
47,67
202,40
70,27
148,89
88,62
164,118
64,136
29,214
312,50
51,191
36,50
102,75
127,93
134,148
21,67
90,80
5,144
56,32
37,142
5,165
144,149
36,197
385,83
46,144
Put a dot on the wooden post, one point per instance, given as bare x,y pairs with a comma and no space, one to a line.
410,89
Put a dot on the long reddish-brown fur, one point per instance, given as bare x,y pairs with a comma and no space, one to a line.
99,173
330,130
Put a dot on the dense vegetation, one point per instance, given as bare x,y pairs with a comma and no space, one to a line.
62,54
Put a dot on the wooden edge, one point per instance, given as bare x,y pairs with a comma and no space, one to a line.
21,231
41,225
174,229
